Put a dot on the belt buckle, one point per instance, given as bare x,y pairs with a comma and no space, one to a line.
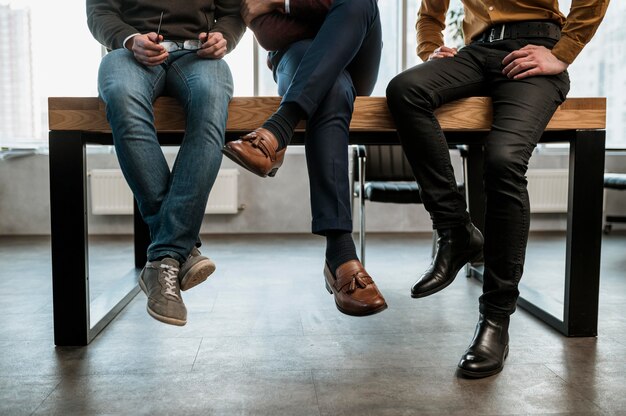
492,35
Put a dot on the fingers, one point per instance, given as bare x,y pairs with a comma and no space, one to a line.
520,53
148,42
154,38
215,46
519,66
528,73
530,61
151,60
147,51
443,52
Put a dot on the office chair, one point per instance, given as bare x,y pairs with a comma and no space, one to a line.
615,181
383,174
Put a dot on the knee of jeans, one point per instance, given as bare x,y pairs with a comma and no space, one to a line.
403,91
127,108
504,164
212,89
209,96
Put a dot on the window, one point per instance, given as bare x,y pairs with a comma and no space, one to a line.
65,62
598,71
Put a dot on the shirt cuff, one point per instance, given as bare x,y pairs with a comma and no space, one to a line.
128,37
567,49
287,10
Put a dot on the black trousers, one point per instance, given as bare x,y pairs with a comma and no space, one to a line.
521,111
323,76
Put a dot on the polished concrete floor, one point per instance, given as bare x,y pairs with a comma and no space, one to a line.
264,338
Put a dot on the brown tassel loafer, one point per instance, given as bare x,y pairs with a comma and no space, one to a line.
257,152
355,292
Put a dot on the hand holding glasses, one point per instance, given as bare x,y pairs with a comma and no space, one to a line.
172,45
208,45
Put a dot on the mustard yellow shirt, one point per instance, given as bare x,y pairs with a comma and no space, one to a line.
577,28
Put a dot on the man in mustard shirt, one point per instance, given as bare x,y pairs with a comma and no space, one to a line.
517,53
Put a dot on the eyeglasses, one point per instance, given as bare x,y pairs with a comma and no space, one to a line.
173,45
188,45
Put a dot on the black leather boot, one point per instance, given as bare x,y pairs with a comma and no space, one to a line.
455,247
490,346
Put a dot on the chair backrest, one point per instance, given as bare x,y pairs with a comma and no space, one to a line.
387,163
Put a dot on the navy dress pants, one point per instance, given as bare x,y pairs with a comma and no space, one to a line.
323,76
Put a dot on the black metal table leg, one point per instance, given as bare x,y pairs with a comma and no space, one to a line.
584,233
73,311
583,242
68,212
141,237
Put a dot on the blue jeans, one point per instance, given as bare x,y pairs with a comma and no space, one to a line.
171,203
521,111
323,76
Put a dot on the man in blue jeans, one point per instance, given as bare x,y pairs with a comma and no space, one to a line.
176,48
323,54
517,53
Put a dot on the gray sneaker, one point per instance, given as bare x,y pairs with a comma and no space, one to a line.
159,281
195,270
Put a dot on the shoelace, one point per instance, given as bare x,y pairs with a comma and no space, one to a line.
170,276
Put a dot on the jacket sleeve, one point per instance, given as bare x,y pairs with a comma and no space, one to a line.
581,24
307,9
104,19
275,31
431,21
228,21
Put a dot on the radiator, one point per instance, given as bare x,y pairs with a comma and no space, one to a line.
547,189
110,194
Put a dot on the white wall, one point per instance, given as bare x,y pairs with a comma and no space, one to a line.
272,205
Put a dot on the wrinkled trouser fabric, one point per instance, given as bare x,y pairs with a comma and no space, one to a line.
172,203
323,76
521,111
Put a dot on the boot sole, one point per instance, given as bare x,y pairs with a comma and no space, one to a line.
476,374
477,257
196,275
435,290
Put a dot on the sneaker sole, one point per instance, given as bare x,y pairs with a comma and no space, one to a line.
197,274
158,317
165,319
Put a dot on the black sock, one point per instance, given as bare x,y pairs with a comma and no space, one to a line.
283,122
339,249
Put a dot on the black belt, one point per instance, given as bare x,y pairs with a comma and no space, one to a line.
520,30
